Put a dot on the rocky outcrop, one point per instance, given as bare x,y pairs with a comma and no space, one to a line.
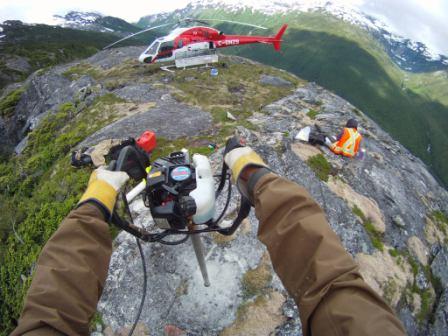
386,207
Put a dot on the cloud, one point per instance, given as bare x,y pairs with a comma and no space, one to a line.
425,21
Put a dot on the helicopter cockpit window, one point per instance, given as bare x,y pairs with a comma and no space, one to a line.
166,49
180,43
167,46
152,50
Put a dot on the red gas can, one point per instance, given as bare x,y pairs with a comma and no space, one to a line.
147,141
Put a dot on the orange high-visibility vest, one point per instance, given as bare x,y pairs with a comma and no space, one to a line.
348,145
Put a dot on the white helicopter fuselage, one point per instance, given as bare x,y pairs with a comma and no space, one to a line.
167,49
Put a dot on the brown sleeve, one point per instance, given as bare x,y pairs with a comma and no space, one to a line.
318,273
69,278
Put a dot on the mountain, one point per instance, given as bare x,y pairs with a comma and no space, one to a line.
341,50
389,211
95,22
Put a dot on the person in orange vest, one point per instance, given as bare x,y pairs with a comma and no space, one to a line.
347,143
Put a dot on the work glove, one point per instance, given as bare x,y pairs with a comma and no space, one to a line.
243,162
103,188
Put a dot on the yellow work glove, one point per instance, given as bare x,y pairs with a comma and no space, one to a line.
103,188
240,158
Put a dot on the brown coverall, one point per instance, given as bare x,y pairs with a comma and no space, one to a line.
306,254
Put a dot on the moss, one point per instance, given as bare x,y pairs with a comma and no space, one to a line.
319,164
96,319
312,114
394,253
9,103
358,212
256,281
376,237
441,221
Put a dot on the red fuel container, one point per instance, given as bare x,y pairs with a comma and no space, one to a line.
147,141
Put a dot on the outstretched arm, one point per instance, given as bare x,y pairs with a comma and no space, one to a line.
69,278
314,267
73,264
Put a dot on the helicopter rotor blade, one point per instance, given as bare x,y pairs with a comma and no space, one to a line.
218,20
138,33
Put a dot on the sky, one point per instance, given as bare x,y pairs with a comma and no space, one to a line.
420,20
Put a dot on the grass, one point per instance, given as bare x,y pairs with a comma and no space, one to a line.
312,114
321,167
9,102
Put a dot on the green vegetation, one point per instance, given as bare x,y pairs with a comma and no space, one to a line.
256,281
441,221
312,113
394,253
37,190
375,237
321,167
8,103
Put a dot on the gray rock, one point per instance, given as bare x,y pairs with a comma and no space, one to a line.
44,94
439,266
18,63
421,281
107,59
398,221
440,326
170,120
410,324
290,309
274,81
140,93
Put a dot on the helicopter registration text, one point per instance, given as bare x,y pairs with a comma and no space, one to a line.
227,43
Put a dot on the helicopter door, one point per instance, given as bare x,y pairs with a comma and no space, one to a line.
166,50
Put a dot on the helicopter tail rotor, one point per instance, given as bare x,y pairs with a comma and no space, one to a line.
278,38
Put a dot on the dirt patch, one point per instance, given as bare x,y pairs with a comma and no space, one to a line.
418,250
305,151
367,205
432,233
257,280
258,318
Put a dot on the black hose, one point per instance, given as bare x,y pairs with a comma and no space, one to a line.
142,256
145,283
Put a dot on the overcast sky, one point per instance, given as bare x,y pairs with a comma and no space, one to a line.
420,20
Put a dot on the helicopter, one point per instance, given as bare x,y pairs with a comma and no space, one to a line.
196,41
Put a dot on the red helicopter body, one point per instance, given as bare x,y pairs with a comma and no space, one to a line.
187,42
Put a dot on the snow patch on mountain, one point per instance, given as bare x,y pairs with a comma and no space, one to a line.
74,19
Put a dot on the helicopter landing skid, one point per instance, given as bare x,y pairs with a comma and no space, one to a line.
166,68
